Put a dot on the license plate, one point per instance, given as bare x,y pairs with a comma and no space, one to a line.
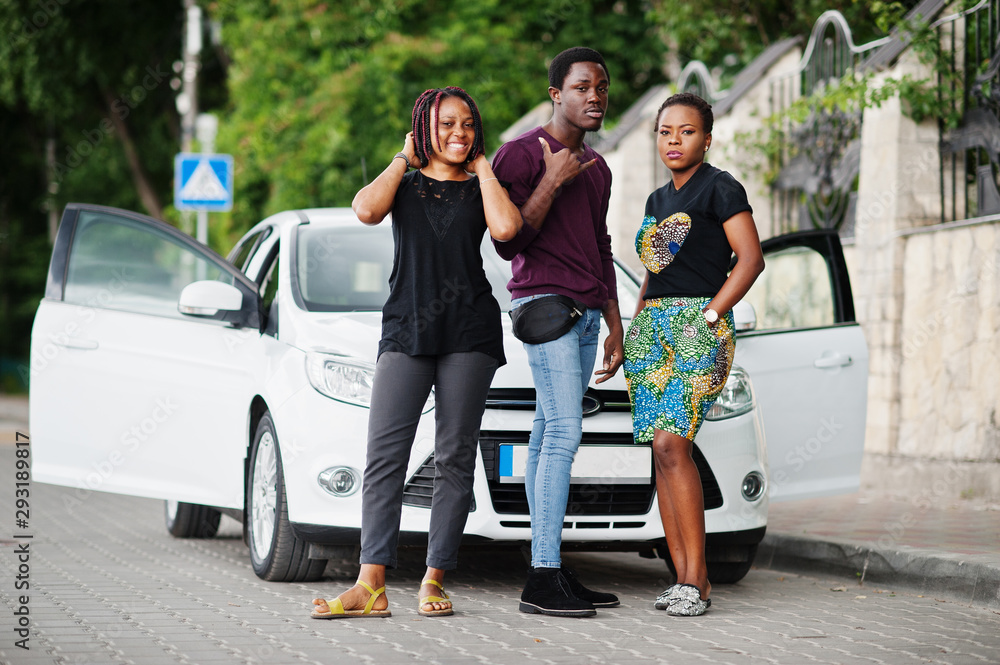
624,465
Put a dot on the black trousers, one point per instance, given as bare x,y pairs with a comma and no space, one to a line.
402,383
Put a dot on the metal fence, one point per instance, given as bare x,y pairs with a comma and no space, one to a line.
817,160
970,44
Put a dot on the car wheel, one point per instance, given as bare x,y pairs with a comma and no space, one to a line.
730,572
275,553
190,520
739,560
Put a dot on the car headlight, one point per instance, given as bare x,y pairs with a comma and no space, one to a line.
346,379
736,397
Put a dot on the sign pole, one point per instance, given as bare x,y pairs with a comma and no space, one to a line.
206,127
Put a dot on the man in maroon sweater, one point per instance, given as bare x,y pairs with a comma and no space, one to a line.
562,187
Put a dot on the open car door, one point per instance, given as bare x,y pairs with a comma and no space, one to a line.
128,394
808,360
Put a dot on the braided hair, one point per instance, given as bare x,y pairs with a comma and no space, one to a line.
422,130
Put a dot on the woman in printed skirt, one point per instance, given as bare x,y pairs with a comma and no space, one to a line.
679,346
441,329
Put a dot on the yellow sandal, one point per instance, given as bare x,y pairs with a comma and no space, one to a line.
434,599
337,611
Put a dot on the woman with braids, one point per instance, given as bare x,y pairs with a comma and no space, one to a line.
440,329
679,346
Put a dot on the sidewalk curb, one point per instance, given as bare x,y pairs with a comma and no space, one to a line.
971,579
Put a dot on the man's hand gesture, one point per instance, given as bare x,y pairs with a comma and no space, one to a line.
563,166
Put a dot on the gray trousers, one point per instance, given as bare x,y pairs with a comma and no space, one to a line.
461,382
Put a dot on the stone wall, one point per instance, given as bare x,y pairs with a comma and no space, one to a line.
898,190
948,388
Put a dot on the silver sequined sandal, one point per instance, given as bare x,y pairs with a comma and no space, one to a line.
665,599
687,602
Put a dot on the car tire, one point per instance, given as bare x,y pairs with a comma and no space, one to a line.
190,520
275,553
730,572
719,572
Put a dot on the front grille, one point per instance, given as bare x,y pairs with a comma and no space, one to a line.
584,499
594,401
419,489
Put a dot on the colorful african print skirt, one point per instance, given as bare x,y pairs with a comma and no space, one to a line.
675,365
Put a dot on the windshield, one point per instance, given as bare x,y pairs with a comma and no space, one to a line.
346,269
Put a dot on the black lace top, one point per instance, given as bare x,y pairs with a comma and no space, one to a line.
440,300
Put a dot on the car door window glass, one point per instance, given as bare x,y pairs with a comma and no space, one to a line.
118,263
240,255
269,296
794,291
344,269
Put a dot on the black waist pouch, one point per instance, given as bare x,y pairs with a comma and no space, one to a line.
545,319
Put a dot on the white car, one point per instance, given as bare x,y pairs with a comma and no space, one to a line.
240,386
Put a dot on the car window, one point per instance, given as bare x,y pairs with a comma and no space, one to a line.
794,291
269,295
240,255
347,269
118,263
343,269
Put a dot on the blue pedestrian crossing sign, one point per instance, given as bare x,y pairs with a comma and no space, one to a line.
203,182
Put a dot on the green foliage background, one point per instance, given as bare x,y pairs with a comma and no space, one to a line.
321,93
313,96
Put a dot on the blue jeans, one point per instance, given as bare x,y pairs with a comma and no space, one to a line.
561,370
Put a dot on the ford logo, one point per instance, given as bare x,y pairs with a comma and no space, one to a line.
591,405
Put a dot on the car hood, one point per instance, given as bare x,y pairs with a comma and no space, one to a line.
356,334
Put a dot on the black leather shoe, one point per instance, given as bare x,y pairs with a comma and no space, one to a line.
548,592
595,598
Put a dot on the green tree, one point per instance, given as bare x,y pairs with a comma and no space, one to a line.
86,114
321,93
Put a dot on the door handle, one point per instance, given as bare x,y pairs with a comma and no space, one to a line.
834,360
70,343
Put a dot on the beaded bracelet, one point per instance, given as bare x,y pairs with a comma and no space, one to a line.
482,182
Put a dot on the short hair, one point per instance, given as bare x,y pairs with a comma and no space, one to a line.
692,100
422,130
561,64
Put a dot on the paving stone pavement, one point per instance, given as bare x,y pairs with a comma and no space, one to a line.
109,585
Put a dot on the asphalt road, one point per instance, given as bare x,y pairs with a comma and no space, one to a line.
107,584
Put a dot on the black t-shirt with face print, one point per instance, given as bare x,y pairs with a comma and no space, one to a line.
682,242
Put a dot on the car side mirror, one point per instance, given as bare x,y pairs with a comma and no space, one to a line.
744,316
210,299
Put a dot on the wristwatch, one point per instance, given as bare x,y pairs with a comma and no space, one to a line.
711,315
